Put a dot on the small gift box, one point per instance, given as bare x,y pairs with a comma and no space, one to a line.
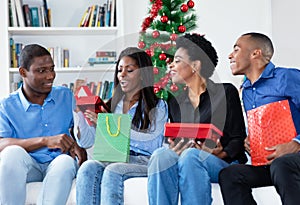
89,102
193,130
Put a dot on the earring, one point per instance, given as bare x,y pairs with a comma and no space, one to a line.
193,71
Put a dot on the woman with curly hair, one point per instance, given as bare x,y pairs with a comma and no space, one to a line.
189,169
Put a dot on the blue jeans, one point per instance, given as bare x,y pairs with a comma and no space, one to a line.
17,168
189,174
104,182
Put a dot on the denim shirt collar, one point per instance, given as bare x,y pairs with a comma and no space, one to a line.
26,104
267,73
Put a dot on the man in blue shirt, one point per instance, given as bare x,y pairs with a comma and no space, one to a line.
264,84
35,142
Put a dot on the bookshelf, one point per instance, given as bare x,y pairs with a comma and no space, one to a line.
64,32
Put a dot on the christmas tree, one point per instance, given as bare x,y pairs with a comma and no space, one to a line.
167,20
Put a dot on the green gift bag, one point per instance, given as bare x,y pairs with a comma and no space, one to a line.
112,137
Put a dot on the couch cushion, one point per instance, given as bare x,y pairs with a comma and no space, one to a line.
34,188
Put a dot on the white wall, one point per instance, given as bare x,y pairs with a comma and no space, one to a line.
286,32
221,21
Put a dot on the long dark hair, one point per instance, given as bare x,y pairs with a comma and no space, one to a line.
147,100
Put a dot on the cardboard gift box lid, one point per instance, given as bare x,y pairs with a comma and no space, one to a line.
92,103
193,130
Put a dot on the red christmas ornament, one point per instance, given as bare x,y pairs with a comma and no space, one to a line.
190,4
173,37
156,87
164,19
148,51
155,70
181,28
155,34
173,87
162,56
141,44
169,60
156,90
184,8
164,83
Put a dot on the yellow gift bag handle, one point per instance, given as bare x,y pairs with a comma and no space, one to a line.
118,128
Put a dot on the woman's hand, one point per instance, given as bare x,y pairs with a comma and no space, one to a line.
247,145
217,151
181,145
92,116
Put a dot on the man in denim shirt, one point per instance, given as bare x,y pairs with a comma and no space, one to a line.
265,84
35,140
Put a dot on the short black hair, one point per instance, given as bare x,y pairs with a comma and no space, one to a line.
264,42
199,48
29,52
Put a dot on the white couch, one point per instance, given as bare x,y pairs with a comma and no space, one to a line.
135,193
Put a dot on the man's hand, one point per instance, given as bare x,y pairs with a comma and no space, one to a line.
282,149
78,152
62,141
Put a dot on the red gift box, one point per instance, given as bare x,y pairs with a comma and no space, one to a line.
269,125
90,102
193,130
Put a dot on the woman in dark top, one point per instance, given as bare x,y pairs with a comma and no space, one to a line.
191,168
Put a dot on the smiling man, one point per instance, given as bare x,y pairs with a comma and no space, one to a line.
35,141
265,83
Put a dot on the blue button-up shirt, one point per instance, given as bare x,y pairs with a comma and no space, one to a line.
21,119
275,84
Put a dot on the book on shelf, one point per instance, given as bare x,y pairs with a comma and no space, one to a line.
90,21
99,15
101,60
103,57
60,56
66,58
113,13
108,13
27,15
101,22
104,90
19,11
12,47
95,24
84,17
15,50
109,91
98,88
78,83
47,13
106,54
35,16
13,14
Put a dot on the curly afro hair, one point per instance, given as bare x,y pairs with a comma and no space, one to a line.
199,48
